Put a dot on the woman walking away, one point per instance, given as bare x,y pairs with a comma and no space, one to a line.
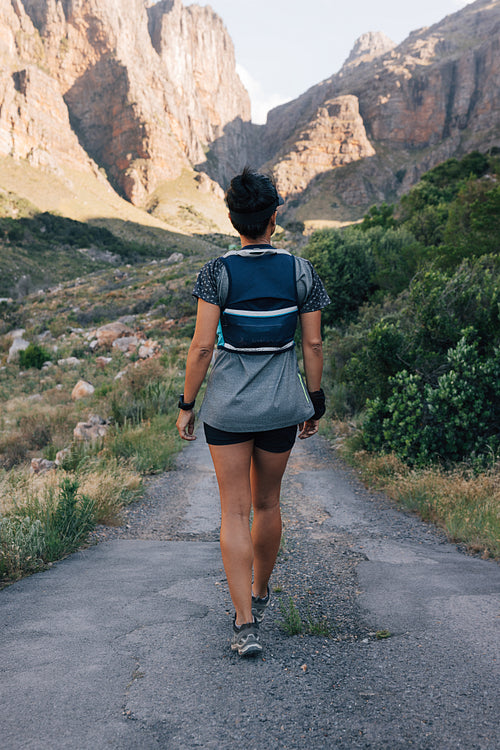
252,299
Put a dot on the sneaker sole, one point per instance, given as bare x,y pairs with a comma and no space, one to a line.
248,648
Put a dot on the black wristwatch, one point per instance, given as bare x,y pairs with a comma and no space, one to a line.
184,405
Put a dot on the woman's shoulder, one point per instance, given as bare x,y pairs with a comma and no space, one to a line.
208,282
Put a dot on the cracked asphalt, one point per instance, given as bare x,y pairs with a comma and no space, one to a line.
126,644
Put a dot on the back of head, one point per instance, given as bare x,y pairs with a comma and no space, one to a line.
252,199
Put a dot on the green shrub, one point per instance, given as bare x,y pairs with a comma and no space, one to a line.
154,398
150,446
345,264
455,420
33,356
67,522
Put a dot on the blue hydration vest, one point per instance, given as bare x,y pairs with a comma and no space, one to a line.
261,310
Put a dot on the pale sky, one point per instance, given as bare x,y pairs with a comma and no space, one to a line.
285,46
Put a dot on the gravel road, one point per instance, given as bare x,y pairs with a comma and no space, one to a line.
126,644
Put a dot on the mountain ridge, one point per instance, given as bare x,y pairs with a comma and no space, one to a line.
433,96
136,94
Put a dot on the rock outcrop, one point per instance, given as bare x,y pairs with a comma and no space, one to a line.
434,96
335,136
140,91
369,46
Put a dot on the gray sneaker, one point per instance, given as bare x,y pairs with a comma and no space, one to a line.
259,605
245,639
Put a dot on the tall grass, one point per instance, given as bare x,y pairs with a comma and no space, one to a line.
150,447
44,527
45,517
466,504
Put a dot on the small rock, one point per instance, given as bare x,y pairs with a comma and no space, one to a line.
175,258
82,389
41,465
71,361
61,456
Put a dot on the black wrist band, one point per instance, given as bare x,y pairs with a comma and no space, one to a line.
184,405
318,401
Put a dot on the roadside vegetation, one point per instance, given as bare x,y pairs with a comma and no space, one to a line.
413,346
48,512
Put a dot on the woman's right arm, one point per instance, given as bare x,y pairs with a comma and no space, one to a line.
198,361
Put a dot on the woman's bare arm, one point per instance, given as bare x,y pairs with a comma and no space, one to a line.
198,362
312,352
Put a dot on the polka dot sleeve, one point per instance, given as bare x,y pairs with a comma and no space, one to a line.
315,297
207,283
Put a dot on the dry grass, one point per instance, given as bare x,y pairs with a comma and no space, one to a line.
111,486
464,503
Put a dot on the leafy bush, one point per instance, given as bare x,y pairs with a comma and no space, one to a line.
345,264
456,419
33,356
415,331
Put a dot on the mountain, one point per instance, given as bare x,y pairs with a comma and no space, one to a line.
367,133
134,89
141,99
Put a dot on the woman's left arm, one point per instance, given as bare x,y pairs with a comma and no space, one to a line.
198,362
312,351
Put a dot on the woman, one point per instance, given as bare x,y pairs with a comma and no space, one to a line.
252,299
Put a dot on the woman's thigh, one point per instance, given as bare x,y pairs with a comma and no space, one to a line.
232,468
266,474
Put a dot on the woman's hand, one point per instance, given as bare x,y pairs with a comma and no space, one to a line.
185,424
308,428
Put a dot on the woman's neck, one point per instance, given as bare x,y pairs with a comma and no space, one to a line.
264,240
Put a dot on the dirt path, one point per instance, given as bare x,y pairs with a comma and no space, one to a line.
125,645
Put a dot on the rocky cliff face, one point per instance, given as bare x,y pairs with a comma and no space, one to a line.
434,96
333,137
147,90
145,87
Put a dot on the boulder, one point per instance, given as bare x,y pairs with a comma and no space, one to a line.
94,429
126,344
82,389
108,334
175,258
148,349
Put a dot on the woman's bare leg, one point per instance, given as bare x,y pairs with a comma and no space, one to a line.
266,473
232,467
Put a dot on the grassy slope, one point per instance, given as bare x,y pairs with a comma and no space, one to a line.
25,191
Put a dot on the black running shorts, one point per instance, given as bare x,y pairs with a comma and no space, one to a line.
273,441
